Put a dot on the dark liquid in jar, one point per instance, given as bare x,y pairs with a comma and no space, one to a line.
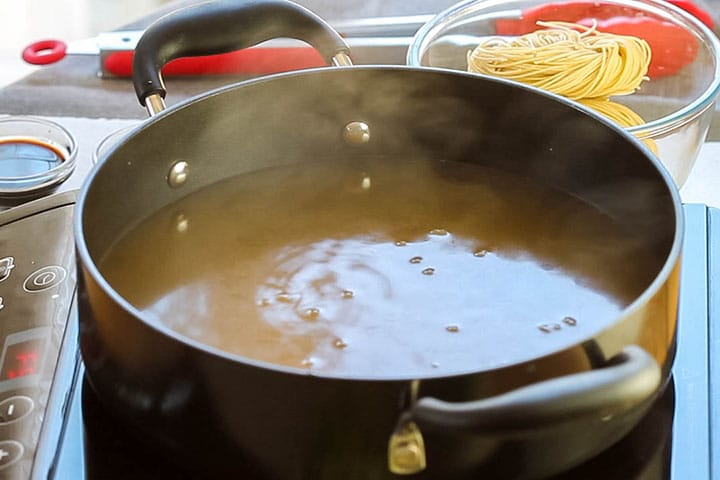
393,268
25,156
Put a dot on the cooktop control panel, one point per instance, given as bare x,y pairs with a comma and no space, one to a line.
37,285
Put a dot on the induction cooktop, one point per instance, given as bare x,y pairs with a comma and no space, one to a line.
53,427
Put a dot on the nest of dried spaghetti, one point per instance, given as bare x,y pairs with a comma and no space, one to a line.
572,60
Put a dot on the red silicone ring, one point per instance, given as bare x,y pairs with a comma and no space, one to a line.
44,52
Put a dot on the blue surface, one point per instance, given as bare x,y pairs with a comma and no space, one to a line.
691,442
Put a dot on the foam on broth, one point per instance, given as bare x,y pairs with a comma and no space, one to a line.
380,268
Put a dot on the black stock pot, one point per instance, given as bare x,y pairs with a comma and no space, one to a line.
546,407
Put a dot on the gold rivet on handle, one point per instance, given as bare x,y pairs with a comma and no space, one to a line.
178,174
356,133
406,450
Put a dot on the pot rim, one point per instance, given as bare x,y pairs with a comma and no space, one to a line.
86,262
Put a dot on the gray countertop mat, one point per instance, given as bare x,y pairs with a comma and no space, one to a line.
72,88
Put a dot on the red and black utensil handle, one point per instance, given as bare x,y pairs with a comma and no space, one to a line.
629,380
224,26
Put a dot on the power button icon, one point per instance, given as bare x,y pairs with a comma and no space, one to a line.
44,278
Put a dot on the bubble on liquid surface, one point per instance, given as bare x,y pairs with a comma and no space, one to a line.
310,313
416,260
284,297
428,271
452,328
549,327
347,294
439,232
570,321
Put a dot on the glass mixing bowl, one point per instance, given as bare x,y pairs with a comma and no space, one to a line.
676,103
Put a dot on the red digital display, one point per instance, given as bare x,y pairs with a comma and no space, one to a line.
21,359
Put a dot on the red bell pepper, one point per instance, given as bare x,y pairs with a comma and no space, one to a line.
694,10
672,46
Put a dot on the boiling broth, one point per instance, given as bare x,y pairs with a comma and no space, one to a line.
382,268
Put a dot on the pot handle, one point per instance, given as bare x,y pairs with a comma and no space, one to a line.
629,379
223,26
